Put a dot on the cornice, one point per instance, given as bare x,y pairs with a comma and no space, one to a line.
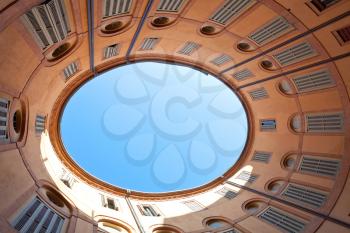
74,84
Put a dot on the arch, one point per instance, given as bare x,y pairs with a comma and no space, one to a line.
216,223
80,173
57,199
296,124
165,228
113,225
115,26
245,46
268,64
254,206
275,185
286,88
289,161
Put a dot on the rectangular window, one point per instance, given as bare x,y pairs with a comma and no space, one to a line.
70,70
230,10
271,30
48,22
189,48
324,122
116,7
221,60
294,54
321,5
319,166
247,176
267,124
38,217
111,51
243,74
258,94
4,109
317,80
305,195
283,220
109,202
194,205
67,178
260,156
169,5
40,124
149,43
343,35
227,193
148,210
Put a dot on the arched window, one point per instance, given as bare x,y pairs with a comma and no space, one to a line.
289,162
111,227
275,186
165,230
296,123
286,87
252,207
217,223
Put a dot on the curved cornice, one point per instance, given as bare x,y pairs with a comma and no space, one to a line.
72,86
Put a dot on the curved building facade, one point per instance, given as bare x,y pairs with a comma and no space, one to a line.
287,62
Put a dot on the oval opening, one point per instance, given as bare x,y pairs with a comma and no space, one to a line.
244,47
171,126
165,230
267,65
252,207
289,163
274,186
61,50
112,227
113,27
17,121
285,87
161,21
55,199
208,30
217,223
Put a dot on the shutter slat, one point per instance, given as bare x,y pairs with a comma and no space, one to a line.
318,166
324,122
227,193
243,74
262,156
305,195
169,5
221,60
282,220
231,9
48,23
38,218
149,43
270,31
116,7
258,94
189,48
295,54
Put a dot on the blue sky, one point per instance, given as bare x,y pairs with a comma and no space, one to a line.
154,127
